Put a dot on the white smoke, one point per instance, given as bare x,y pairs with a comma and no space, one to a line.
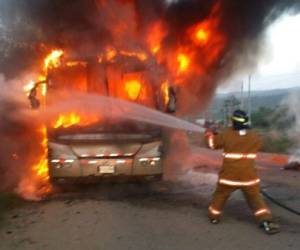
293,104
19,142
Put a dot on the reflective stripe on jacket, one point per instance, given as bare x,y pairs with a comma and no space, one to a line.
237,156
239,183
240,151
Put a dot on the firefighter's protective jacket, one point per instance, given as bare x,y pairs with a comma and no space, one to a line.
240,149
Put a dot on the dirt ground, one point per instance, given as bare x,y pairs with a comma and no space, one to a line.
159,215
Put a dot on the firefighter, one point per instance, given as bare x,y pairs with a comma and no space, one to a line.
240,146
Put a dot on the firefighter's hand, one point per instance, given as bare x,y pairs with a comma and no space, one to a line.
208,133
213,130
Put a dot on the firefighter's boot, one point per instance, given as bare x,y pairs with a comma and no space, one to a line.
214,221
270,227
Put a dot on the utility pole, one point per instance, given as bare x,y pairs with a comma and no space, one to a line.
249,98
242,94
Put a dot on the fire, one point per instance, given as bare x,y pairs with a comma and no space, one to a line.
190,54
53,60
202,35
43,90
133,88
165,91
155,49
140,55
183,62
100,58
76,63
111,53
207,38
28,87
67,120
36,183
157,32
42,167
43,86
197,51
72,119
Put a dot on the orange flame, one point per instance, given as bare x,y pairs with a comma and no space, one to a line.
111,53
157,32
202,35
76,63
73,118
67,120
207,37
36,184
53,60
165,91
43,86
198,51
42,167
140,55
133,88
183,62
28,87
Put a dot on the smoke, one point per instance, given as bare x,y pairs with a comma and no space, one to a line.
90,105
293,117
87,27
19,140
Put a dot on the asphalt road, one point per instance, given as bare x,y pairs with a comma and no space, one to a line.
160,215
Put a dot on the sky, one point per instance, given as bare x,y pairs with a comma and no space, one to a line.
280,66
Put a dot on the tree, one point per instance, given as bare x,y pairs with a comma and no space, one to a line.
230,104
273,118
262,118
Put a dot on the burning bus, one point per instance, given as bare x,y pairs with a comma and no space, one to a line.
80,146
142,61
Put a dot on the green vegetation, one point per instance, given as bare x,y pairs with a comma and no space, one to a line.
261,119
273,119
273,124
277,145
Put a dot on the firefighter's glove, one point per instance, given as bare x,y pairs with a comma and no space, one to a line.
208,133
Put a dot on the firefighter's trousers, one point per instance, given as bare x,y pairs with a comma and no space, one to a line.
252,195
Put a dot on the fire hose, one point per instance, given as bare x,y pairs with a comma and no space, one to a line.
267,196
264,193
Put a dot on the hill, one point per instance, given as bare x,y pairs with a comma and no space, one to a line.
267,98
